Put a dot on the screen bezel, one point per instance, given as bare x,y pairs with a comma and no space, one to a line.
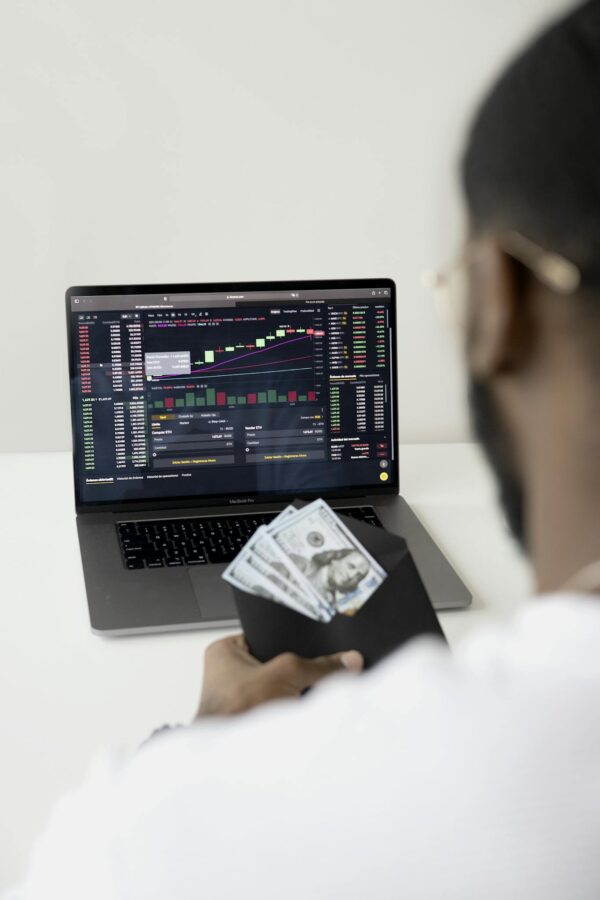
189,501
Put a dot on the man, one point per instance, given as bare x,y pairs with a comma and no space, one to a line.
473,774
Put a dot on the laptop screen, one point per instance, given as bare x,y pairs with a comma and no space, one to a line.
225,392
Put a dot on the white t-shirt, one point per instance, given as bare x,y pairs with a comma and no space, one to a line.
472,774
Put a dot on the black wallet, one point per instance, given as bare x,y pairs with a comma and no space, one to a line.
397,611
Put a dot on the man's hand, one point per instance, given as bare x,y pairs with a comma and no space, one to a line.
234,681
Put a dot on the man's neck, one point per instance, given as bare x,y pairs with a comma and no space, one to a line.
564,513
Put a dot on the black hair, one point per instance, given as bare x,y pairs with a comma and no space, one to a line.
532,159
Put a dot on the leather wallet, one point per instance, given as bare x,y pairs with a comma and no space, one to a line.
397,611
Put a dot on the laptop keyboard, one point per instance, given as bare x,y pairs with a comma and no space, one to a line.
198,541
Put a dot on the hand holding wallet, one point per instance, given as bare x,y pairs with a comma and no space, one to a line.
313,584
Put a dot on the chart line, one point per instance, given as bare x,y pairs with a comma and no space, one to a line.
237,375
224,362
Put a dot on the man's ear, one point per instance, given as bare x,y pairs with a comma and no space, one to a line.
498,315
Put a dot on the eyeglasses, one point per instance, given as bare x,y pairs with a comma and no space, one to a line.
450,285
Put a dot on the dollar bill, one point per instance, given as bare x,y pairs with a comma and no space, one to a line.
252,574
263,545
285,513
324,556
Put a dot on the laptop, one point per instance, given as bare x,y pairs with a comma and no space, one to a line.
200,410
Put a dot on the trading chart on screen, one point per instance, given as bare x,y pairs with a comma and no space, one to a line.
231,398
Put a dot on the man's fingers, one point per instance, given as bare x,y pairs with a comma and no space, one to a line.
304,673
312,670
227,644
235,681
352,660
239,641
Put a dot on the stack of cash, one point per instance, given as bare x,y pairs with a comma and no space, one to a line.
308,560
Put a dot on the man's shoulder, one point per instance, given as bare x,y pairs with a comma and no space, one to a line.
550,632
504,685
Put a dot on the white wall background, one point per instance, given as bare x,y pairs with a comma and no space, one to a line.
191,140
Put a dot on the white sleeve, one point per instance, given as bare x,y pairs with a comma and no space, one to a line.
72,858
431,776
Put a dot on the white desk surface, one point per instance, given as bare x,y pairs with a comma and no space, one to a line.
66,692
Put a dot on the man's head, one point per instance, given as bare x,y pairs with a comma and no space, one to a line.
532,166
345,568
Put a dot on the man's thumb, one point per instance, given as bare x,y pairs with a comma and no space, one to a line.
352,660
312,670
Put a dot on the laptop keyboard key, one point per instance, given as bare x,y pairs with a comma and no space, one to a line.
198,541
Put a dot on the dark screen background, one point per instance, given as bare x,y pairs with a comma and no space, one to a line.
273,398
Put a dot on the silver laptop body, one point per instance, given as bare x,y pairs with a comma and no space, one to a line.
199,411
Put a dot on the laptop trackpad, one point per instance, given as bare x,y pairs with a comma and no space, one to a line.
214,596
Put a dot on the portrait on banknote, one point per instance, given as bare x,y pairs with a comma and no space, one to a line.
333,573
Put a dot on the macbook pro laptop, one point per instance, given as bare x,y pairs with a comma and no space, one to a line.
200,410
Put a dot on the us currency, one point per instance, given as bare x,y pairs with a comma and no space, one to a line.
262,545
325,557
250,573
